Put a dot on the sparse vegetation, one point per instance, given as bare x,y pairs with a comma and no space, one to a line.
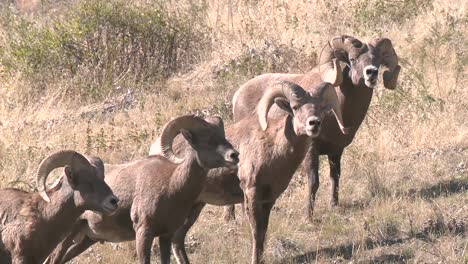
100,45
102,77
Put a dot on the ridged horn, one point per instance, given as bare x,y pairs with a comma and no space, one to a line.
389,64
328,94
53,161
173,128
334,75
284,89
99,164
327,64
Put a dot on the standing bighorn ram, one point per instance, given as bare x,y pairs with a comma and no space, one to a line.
156,192
354,93
270,150
32,224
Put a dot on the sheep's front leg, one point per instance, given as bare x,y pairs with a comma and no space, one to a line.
258,215
178,240
335,172
144,240
311,164
77,249
58,254
165,248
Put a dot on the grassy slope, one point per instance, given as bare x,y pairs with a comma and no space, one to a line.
404,177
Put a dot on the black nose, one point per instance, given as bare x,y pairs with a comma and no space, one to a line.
114,201
315,122
372,72
232,156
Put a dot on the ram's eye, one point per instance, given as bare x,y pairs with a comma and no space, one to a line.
295,107
352,60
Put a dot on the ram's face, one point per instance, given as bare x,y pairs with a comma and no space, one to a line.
90,190
307,117
212,148
365,65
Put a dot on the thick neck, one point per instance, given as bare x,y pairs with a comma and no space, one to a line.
354,101
58,216
62,211
188,174
286,140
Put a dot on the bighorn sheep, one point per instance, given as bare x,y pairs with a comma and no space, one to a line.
270,152
354,94
32,224
156,192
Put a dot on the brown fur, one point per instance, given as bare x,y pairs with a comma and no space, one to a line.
30,227
260,182
268,161
354,98
156,197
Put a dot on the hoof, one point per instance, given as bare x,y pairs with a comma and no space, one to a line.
334,204
229,217
308,220
309,215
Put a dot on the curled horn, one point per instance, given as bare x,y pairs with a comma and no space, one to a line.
173,128
57,160
215,120
97,162
390,66
328,94
328,66
334,75
284,89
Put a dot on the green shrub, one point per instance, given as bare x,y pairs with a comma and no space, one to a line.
433,70
254,61
377,15
101,44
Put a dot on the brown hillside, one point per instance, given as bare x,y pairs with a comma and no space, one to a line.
102,77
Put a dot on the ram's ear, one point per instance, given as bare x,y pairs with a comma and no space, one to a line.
390,78
71,177
341,55
284,104
188,136
389,66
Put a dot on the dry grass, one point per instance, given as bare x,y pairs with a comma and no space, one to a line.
405,177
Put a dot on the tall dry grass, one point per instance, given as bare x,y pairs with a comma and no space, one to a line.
403,192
